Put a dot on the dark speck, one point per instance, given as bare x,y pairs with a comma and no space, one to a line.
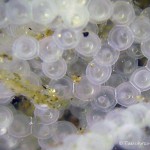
85,34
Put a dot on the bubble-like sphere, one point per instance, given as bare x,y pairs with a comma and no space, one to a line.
98,74
105,99
55,70
107,55
26,48
100,10
66,38
141,79
140,28
126,65
120,37
127,94
43,11
20,126
18,12
123,13
84,90
89,45
49,51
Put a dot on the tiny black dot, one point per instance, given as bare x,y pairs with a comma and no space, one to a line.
85,34
44,86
